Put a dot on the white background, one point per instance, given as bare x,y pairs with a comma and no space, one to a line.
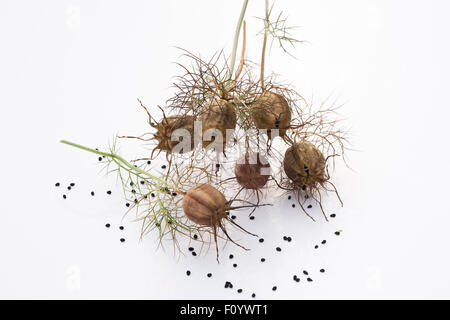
73,70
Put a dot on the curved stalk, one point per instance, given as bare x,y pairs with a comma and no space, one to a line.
236,39
263,55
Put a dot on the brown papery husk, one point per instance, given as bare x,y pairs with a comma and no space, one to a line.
206,206
249,175
167,126
217,114
304,164
271,111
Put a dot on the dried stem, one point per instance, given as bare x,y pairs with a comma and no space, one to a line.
263,55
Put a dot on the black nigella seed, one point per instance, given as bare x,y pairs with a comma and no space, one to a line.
231,256
72,184
294,277
122,240
309,206
305,272
253,295
252,217
289,239
64,196
316,246
217,165
131,183
121,227
293,205
142,182
149,162
322,270
195,236
284,238
108,192
99,158
333,215
274,288
188,273
309,279
324,241
227,213
337,233
239,291
262,259
153,195
289,198
127,204
261,240
163,166
133,191
209,275
233,217
194,253
57,184
174,194
303,188
191,249
234,265
92,193
278,249
135,200
297,280
69,187
107,225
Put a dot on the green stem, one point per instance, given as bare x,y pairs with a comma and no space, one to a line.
236,39
118,158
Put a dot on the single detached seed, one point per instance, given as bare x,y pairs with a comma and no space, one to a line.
233,217
191,249
253,295
153,195
142,182
274,288
209,275
324,241
121,227
195,236
174,194
99,158
217,165
289,239
188,273
316,246
107,225
64,196
122,240
289,198
163,166
57,184
234,265
261,240
262,259
69,187
309,206
108,192
284,238
305,272
127,204
333,215
231,256
252,217
293,205
309,280
278,249
322,270
337,233
239,291
133,191
194,253
135,200
149,162
72,184
92,193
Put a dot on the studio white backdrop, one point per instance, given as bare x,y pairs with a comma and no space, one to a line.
73,70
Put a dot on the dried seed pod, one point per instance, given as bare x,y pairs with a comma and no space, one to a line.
252,171
166,128
218,114
271,111
304,164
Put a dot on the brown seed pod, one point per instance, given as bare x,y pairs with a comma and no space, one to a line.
304,164
218,114
251,175
205,205
271,111
166,128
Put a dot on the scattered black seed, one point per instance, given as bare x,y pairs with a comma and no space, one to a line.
135,200
217,165
333,215
209,275
149,162
153,195
322,270
64,196
239,291
231,256
324,241
263,259
305,272
227,213
253,295
57,184
195,236
163,166
303,188
174,194
142,182
294,277
122,240
252,217
108,192
127,204
278,249
284,238
309,206
131,183
100,159
234,265
133,191
309,279
233,217
191,249
337,233
261,240
188,273
289,198
289,239
297,280
107,225
121,228
92,193
194,254
69,187
72,184
293,205
274,288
